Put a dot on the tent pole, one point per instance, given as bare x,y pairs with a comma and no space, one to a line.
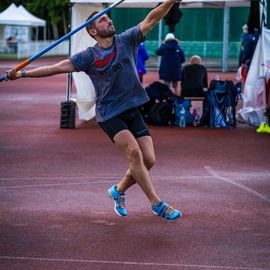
68,107
226,25
159,40
69,82
37,33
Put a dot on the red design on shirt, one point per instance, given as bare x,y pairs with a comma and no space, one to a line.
106,60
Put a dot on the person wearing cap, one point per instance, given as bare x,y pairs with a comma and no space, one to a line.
172,58
245,46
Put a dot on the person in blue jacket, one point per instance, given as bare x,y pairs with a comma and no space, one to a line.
172,58
142,57
244,57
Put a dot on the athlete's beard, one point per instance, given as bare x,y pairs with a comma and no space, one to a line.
109,32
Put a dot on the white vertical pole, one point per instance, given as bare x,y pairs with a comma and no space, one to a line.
69,76
263,71
159,39
44,32
226,25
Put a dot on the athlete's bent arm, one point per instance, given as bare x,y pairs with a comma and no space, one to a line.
64,66
156,15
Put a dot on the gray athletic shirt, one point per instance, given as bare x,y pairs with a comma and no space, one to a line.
114,74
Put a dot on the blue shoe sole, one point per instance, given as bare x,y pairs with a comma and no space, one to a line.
167,218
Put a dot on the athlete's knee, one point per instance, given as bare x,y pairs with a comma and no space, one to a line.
149,162
135,154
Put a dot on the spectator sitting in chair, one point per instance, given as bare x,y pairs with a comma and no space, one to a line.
194,78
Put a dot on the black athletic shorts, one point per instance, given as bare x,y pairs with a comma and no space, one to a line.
130,120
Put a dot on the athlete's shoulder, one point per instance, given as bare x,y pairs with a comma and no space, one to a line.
133,31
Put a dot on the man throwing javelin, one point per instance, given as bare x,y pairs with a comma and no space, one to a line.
111,65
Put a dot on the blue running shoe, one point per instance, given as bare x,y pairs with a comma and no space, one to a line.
119,201
164,210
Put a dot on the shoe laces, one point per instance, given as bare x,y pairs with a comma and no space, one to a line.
121,201
169,210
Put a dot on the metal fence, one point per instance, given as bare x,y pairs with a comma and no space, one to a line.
22,50
210,52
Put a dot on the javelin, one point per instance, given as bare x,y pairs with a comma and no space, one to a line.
37,55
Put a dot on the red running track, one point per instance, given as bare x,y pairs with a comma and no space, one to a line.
54,213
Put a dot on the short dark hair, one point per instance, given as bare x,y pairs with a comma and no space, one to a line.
92,24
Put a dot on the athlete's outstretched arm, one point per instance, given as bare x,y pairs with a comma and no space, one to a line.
64,66
156,15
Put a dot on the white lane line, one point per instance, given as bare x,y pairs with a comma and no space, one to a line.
227,180
56,184
248,176
167,177
194,266
89,182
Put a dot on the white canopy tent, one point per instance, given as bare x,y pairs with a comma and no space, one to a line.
82,8
19,16
255,101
